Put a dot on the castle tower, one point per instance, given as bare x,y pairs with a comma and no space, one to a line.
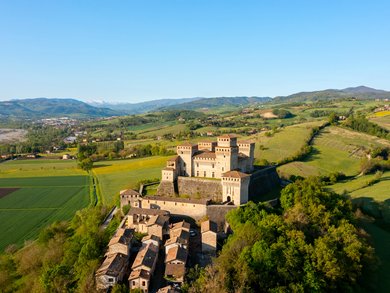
235,187
226,153
186,151
248,149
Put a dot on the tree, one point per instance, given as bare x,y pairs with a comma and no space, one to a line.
86,164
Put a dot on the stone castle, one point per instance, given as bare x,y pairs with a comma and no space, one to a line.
223,168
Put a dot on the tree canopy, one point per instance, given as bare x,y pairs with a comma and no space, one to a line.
309,244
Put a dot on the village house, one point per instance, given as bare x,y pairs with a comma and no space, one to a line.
175,263
111,271
153,239
148,221
130,197
121,242
209,237
143,267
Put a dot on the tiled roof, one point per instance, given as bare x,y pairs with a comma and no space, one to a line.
173,159
146,256
176,253
180,233
208,226
235,174
129,192
177,270
182,224
112,265
139,274
188,144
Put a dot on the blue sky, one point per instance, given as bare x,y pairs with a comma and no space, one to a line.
142,50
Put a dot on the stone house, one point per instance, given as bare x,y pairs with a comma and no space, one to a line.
111,271
139,279
121,242
176,255
153,239
130,197
176,241
143,267
209,237
168,289
175,264
175,272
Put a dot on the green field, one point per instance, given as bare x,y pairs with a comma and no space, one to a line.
335,150
284,143
38,202
117,175
383,121
40,167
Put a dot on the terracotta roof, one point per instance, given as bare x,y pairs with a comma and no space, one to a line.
112,265
177,270
227,136
139,274
129,192
177,199
208,226
158,220
180,233
146,256
176,239
182,224
235,174
139,211
169,169
205,155
173,159
150,237
176,253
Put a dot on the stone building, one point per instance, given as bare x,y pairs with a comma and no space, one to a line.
111,271
208,231
130,197
227,159
121,242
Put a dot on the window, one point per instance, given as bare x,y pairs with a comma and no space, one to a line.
143,283
223,169
212,165
212,175
110,280
133,283
204,174
197,173
197,165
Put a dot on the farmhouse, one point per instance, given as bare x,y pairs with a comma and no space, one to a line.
227,161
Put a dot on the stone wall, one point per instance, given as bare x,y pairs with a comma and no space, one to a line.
200,188
217,213
166,188
263,181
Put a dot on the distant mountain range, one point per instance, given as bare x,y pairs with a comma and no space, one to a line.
45,107
360,92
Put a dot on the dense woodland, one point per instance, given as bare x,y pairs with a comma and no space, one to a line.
310,244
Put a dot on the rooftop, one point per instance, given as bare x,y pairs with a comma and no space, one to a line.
129,192
139,274
146,256
205,155
228,136
112,265
235,174
176,253
177,270
173,159
182,224
208,226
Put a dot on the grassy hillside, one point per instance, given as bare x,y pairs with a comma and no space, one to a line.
114,176
335,149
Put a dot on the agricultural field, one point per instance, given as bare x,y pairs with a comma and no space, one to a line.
117,175
39,168
31,203
335,150
284,142
382,119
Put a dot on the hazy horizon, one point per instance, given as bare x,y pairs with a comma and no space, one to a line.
147,50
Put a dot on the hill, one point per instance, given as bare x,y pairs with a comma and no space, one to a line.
219,102
142,107
44,107
360,92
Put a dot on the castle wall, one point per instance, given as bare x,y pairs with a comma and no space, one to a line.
263,181
189,208
166,188
200,188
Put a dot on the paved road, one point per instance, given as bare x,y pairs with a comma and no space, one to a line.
109,218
